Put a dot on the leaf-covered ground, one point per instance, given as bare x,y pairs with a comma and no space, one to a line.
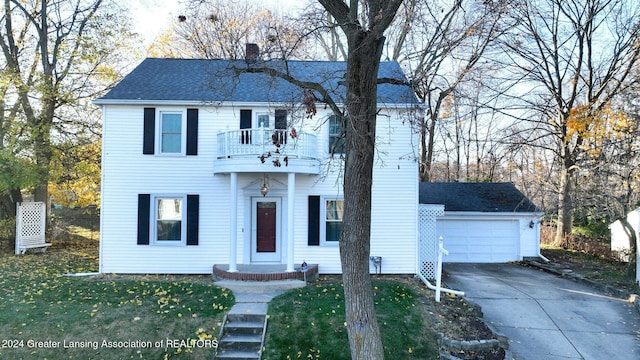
45,314
596,268
309,323
40,308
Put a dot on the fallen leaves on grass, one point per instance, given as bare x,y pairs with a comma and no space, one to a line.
38,302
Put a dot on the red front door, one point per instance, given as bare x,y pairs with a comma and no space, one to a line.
266,226
266,214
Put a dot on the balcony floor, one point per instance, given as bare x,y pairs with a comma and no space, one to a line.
252,164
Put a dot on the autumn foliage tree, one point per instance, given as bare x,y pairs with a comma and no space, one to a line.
565,61
56,57
76,174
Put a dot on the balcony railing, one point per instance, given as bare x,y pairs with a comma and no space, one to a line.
267,142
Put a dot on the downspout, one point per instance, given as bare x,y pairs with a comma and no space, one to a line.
537,230
455,292
102,182
438,289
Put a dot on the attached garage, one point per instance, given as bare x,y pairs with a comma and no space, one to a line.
484,222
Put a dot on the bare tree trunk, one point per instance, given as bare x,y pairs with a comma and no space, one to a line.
8,203
425,167
563,211
365,46
42,147
360,124
427,140
565,205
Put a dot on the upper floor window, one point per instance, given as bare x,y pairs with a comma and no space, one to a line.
263,121
171,132
336,141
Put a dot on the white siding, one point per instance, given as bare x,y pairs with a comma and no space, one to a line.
127,173
530,236
394,216
620,237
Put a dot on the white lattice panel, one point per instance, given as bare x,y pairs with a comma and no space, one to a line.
30,225
428,243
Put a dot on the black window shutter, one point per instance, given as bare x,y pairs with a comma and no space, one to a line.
144,220
245,123
314,221
148,144
281,119
192,131
193,218
245,119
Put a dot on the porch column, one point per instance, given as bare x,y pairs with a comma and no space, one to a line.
233,223
291,195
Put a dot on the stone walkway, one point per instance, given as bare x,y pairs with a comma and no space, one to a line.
258,292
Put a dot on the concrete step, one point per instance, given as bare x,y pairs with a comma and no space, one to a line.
242,334
238,355
240,342
245,318
244,328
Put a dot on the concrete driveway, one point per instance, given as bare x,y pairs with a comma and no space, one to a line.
548,317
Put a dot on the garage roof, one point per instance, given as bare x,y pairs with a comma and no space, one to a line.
477,197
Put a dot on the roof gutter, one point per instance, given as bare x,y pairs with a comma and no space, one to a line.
483,214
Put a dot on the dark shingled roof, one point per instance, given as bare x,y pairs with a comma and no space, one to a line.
204,80
476,197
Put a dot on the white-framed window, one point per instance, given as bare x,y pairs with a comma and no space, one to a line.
336,143
331,210
263,120
172,130
169,220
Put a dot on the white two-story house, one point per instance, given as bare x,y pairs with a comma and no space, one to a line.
205,164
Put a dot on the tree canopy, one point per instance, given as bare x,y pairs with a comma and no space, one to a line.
56,57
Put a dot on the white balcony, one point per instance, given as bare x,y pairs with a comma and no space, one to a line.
266,150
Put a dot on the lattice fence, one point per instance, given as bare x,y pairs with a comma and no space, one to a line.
30,226
428,243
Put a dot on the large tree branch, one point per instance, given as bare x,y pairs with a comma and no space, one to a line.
343,14
382,18
325,97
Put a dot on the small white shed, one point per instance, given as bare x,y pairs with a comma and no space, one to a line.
621,237
484,222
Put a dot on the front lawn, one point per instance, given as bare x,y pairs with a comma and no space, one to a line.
309,323
47,315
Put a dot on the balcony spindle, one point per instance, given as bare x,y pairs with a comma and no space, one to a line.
247,142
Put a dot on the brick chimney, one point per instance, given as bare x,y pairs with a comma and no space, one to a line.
251,52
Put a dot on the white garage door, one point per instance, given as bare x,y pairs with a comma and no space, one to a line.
481,241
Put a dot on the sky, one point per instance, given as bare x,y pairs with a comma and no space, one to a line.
153,16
